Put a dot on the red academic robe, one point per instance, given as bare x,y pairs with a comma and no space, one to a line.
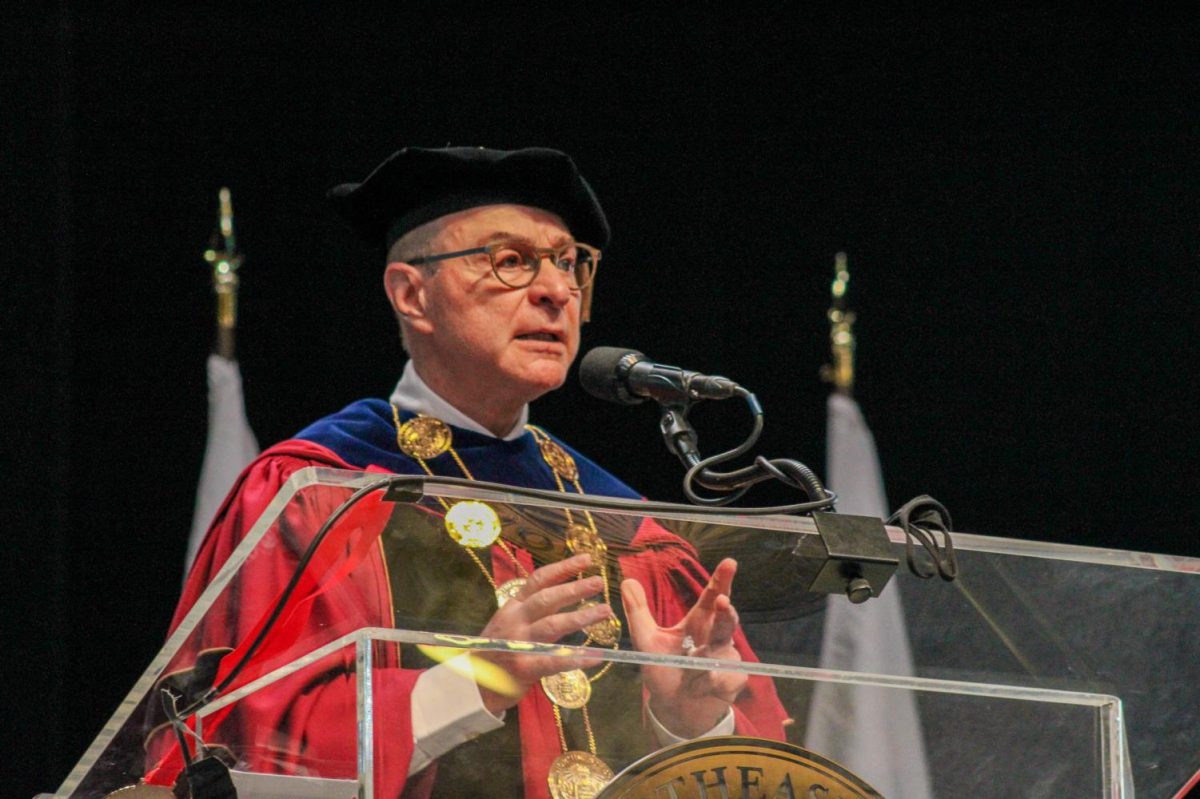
305,724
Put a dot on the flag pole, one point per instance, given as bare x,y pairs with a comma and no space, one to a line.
224,258
841,332
875,731
231,443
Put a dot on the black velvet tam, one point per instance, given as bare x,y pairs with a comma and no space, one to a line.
417,185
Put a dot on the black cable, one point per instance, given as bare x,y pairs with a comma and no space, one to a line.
280,603
920,517
739,481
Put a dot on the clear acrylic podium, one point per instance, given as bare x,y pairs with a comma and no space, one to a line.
1042,671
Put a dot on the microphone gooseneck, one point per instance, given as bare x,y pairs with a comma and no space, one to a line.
627,377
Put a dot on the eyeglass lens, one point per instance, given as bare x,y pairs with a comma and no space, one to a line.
517,265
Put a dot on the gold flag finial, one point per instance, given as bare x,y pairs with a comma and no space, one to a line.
841,332
224,258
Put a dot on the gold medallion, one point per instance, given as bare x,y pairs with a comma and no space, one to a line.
605,632
473,523
581,539
569,689
423,437
578,775
508,590
558,459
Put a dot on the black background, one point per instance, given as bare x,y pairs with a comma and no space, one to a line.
1016,192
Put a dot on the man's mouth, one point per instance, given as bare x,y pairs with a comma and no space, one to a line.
539,337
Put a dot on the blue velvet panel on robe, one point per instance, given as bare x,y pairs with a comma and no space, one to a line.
364,433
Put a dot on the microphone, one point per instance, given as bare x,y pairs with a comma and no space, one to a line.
627,377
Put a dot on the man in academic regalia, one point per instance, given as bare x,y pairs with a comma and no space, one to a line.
491,257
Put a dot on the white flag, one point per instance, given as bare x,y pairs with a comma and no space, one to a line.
875,732
231,446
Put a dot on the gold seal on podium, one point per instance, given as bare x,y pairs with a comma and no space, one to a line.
736,765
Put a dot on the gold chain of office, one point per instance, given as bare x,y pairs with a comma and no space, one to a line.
475,525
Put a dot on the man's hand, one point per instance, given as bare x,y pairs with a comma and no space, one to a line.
533,615
689,702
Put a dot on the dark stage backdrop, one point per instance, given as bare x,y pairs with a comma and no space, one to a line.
1016,191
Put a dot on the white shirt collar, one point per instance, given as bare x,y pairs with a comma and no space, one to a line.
414,394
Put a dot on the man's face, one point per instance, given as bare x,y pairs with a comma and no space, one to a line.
516,344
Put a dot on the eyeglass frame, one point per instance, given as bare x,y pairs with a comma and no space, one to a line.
540,253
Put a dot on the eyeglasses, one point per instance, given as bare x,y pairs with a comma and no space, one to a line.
516,263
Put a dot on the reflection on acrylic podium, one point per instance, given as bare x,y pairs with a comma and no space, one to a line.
1042,671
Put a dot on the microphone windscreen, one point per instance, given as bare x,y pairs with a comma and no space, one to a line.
602,370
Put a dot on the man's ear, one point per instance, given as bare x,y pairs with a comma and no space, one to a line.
407,291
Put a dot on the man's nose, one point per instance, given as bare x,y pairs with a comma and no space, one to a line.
551,285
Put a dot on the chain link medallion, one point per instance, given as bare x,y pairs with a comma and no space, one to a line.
424,437
582,539
569,689
558,459
578,775
472,523
606,632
